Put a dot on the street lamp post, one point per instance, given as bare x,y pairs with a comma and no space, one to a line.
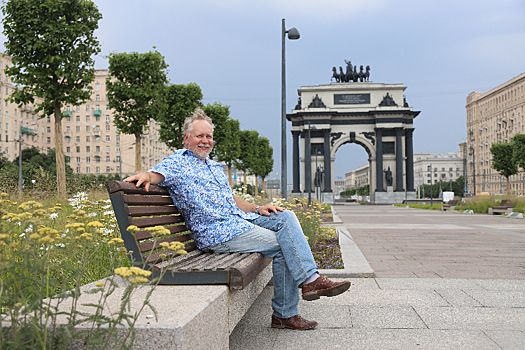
293,34
472,153
430,170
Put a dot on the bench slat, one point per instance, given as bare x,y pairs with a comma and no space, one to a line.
155,257
146,200
208,257
142,235
178,259
129,188
156,221
148,246
150,211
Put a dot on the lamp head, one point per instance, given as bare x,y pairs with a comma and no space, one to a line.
293,34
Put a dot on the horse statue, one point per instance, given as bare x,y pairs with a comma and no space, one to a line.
361,74
367,73
335,75
356,75
342,75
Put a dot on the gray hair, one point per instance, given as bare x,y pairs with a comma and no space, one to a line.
197,115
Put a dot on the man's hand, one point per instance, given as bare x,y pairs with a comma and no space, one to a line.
267,209
145,178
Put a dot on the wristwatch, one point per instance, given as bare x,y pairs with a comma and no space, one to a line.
256,209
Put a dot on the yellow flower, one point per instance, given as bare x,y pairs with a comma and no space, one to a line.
34,236
132,228
3,195
139,280
94,224
116,241
100,284
3,235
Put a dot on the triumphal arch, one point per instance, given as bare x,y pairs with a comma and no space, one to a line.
354,110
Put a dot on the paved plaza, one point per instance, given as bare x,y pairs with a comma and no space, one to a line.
442,281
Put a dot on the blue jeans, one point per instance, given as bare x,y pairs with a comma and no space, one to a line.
278,236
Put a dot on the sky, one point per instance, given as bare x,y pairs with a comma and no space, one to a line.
440,50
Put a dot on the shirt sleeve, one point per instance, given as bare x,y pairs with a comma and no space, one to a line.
165,168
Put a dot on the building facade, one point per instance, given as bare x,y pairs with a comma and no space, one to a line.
92,144
494,116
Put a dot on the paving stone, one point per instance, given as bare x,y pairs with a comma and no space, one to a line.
386,318
508,340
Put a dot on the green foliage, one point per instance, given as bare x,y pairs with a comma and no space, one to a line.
363,191
136,91
458,187
229,149
248,155
181,101
52,46
518,152
219,114
263,166
503,160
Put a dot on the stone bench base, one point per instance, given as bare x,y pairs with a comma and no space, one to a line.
500,210
189,316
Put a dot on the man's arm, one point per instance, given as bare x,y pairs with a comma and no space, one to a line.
250,208
145,177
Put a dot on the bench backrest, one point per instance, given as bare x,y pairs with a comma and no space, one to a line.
507,203
452,202
135,206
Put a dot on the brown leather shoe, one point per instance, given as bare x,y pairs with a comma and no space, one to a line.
294,322
322,286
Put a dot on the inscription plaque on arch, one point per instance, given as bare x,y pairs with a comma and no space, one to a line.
351,99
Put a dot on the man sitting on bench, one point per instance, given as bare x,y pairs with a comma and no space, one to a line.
223,223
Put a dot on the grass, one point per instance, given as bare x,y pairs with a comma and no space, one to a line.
478,204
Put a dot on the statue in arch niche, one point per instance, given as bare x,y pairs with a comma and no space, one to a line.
388,176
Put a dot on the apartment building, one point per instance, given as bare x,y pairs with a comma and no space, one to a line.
494,116
92,144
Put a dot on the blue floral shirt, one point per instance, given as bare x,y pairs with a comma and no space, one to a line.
202,193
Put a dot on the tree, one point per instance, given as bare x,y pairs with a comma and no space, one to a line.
518,151
503,160
181,101
264,164
136,90
248,154
218,114
229,149
52,46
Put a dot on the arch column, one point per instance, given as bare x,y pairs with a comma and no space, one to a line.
379,160
327,162
307,162
399,160
295,160
409,151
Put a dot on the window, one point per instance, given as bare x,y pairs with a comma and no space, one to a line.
78,159
97,138
107,149
78,149
78,108
108,159
77,139
108,169
97,87
68,149
87,108
435,175
88,159
107,127
48,130
97,128
78,170
88,139
97,149
88,149
97,118
117,149
88,170
107,118
97,98
48,140
118,158
68,119
68,128
87,118
97,169
97,159
107,138
48,119
68,139
118,169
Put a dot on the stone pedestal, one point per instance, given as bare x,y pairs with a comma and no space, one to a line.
390,188
393,197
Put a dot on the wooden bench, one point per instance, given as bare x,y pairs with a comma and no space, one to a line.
135,206
506,206
451,205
